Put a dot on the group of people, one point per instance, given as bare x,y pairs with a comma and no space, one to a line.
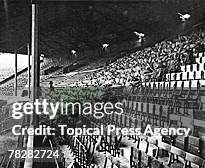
150,63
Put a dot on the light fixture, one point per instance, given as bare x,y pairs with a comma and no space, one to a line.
104,46
73,51
140,35
184,17
42,56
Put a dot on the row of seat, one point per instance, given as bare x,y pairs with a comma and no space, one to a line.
162,96
109,143
198,66
79,151
159,114
184,76
134,122
172,84
189,144
190,100
190,72
182,98
85,146
151,152
163,115
162,155
177,97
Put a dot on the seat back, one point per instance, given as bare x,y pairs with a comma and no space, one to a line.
177,151
193,159
194,145
163,149
135,158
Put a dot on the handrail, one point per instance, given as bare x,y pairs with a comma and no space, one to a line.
5,161
2,161
28,163
12,76
56,162
80,143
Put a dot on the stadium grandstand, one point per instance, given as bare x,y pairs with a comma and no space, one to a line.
143,57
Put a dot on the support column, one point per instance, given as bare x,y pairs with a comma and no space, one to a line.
15,75
35,73
29,70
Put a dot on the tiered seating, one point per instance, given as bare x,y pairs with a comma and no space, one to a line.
175,102
48,67
160,106
84,148
180,107
7,64
144,154
152,63
51,69
7,89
